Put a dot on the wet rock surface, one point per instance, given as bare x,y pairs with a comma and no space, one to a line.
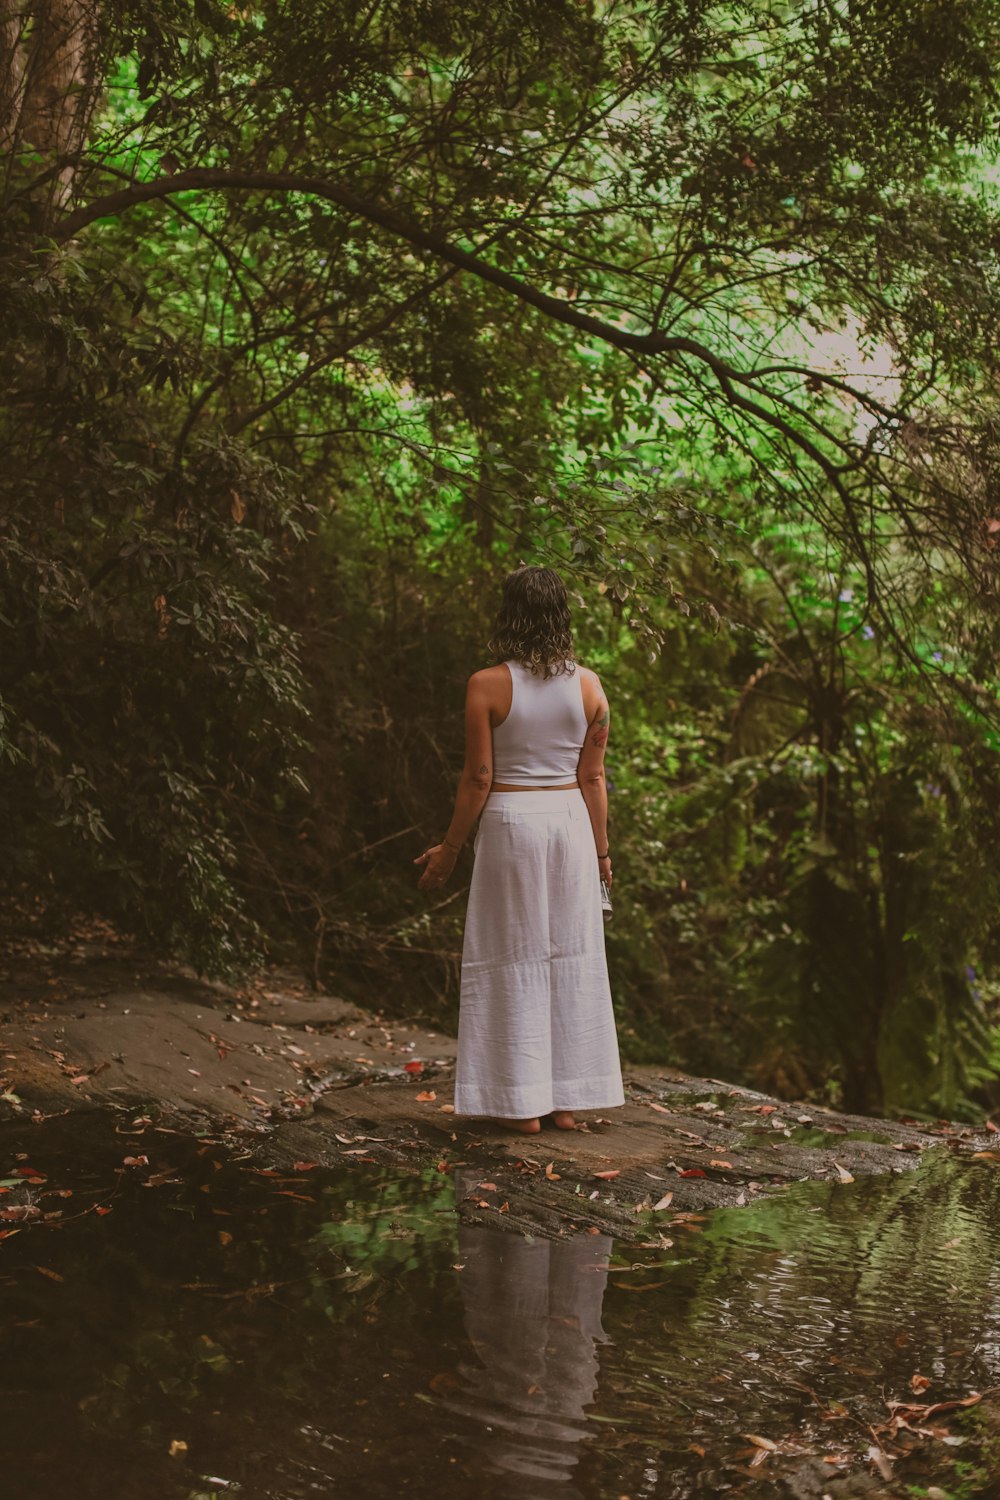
93,1025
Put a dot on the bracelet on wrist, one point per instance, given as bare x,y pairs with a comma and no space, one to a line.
605,855
456,847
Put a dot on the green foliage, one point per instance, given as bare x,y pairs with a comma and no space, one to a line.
152,701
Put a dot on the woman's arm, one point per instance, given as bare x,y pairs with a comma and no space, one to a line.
473,786
590,774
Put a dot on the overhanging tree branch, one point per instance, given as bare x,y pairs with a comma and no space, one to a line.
653,342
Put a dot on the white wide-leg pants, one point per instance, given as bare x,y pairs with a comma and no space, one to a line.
536,1028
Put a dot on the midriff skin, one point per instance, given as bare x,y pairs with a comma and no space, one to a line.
503,786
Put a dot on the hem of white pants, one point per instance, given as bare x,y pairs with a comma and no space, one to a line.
525,1103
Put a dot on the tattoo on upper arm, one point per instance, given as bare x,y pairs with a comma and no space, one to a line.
484,770
600,735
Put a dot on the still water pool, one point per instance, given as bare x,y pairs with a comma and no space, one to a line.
223,1327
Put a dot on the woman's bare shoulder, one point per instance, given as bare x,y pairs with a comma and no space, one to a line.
593,692
590,677
488,682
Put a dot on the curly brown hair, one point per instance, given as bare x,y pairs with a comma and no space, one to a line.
532,624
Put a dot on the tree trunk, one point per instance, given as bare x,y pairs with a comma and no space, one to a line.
48,80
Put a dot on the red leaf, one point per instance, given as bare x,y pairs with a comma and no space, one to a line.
304,1166
691,1172
413,1067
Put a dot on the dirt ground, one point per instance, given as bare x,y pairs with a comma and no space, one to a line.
93,1023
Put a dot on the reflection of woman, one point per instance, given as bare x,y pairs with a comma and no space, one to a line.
533,1318
536,1031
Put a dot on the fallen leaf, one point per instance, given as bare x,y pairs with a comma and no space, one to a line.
607,1176
135,1161
843,1173
919,1383
761,1442
720,1164
413,1067
53,1275
876,1456
426,1096
907,1410
304,1166
225,1238
690,1172
664,1202
551,1175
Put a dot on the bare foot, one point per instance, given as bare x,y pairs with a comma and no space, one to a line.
526,1127
564,1119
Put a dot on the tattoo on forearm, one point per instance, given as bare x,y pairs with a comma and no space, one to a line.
484,770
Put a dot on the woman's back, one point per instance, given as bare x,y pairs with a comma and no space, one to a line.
540,740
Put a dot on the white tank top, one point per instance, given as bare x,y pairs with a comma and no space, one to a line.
539,742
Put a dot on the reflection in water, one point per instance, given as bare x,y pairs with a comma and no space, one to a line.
312,1338
533,1317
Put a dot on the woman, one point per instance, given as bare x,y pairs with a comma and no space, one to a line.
536,1029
